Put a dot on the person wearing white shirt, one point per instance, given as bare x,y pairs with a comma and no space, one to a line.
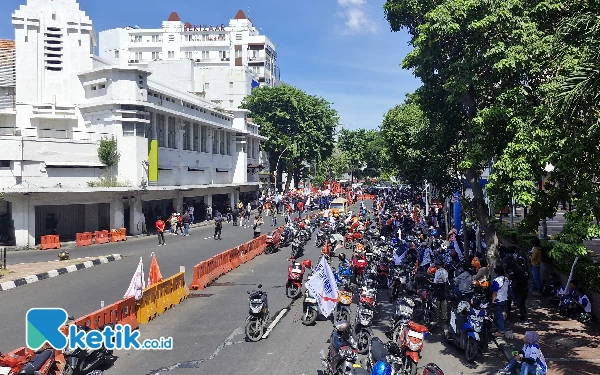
499,298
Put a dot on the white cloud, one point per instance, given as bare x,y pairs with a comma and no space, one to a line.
356,15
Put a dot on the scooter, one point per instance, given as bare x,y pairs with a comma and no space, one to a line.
310,309
342,308
293,286
363,320
83,361
273,240
469,329
258,314
45,362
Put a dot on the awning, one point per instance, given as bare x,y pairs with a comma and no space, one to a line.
73,164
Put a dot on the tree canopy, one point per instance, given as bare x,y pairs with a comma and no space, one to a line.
300,127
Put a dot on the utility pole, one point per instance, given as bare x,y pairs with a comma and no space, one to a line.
277,166
426,198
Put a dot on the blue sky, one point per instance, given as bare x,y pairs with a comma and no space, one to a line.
342,50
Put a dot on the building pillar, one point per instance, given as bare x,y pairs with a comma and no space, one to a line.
23,217
117,214
135,216
91,218
178,202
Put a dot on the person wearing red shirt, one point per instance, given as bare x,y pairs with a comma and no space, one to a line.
160,231
300,209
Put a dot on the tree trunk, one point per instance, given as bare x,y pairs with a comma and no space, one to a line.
482,213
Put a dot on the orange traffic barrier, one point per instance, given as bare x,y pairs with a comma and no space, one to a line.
121,312
83,239
101,236
51,241
117,235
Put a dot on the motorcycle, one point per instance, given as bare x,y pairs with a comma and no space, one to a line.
363,320
310,309
426,311
273,241
404,312
258,315
347,365
358,267
293,287
297,249
44,362
411,342
11,363
469,329
82,362
342,308
287,236
383,271
343,275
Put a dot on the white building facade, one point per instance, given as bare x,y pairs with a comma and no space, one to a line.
221,63
176,149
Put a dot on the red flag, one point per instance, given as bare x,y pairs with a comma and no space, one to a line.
154,276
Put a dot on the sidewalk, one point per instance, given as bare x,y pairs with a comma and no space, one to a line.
567,345
26,273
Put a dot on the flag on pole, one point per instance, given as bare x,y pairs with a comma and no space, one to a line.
154,275
322,285
138,284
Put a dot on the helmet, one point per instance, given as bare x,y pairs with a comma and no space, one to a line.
342,256
307,263
341,326
432,369
381,368
463,306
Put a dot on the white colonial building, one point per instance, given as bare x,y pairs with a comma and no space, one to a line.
217,62
176,149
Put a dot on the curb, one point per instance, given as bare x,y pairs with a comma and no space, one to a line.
71,244
7,285
504,346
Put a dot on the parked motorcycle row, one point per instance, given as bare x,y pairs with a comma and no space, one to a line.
48,361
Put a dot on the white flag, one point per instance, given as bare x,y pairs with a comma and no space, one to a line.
138,284
322,285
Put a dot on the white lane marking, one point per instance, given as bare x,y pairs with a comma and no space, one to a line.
274,323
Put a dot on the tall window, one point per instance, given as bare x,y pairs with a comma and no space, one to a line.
222,139
196,137
138,56
228,143
156,38
155,55
171,134
171,54
187,136
205,55
160,130
116,54
215,143
188,54
238,53
203,137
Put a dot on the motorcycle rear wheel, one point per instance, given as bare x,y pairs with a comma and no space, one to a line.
410,368
293,291
363,337
347,245
309,317
471,349
269,249
254,330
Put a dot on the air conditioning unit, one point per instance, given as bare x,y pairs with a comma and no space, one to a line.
131,61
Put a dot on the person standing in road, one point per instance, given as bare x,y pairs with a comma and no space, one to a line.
300,206
258,222
218,225
248,213
235,213
160,229
209,212
187,219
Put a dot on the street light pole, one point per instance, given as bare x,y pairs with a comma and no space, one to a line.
277,166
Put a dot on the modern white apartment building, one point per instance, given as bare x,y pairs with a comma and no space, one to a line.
176,149
221,63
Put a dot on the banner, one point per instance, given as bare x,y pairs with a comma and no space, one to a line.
138,284
322,285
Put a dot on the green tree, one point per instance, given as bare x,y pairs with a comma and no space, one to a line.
487,64
109,155
300,127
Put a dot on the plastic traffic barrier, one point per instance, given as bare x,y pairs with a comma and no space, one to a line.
117,235
101,236
83,239
146,307
123,312
51,241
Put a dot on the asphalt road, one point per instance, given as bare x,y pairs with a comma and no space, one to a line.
208,332
82,292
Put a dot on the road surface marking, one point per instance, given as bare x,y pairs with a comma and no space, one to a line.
274,323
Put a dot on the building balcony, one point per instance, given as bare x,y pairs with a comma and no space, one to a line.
205,43
212,61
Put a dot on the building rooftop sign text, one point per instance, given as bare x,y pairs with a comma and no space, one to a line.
204,28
